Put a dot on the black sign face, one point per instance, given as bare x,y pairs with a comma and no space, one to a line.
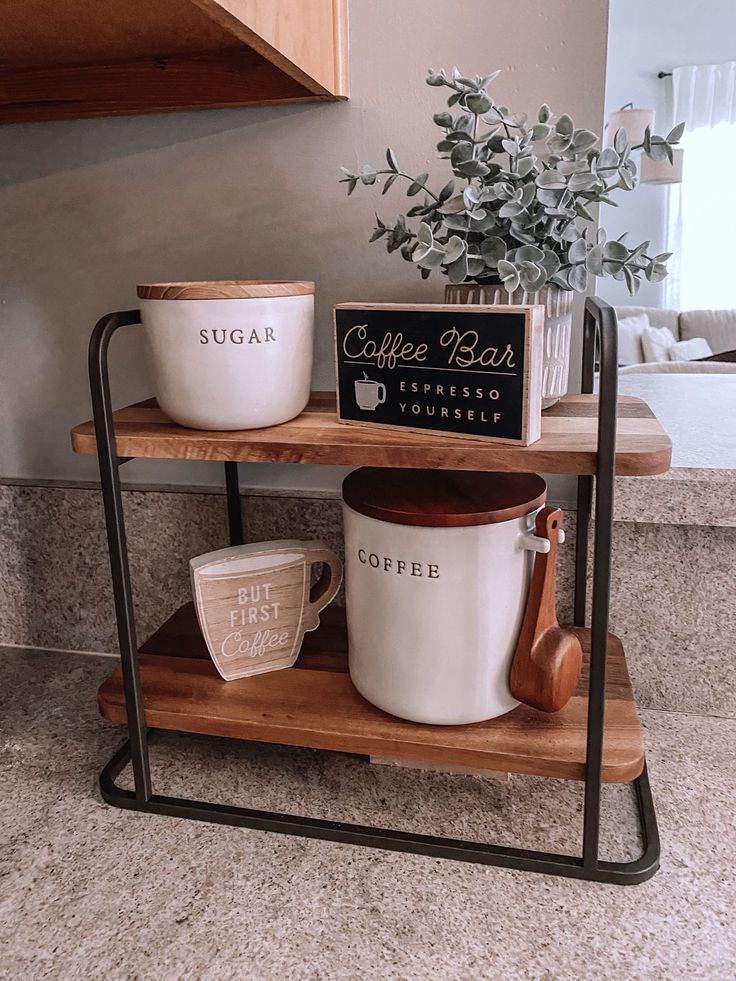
444,369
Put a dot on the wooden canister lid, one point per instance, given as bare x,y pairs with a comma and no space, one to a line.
226,289
442,498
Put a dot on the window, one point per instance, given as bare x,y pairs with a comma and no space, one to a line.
702,210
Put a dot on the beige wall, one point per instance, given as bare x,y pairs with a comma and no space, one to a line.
90,208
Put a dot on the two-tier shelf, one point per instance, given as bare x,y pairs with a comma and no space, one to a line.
170,683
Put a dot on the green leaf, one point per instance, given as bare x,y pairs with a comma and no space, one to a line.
471,196
545,113
532,276
454,248
509,275
424,234
529,253
475,266
457,271
377,233
461,153
632,281
540,131
473,168
388,182
524,166
582,182
578,279
482,221
391,160
436,78
577,251
427,258
658,151
477,103
564,126
417,185
675,134
443,119
550,179
453,206
512,209
615,251
620,141
594,261
581,211
487,79
550,262
584,139
492,249
656,272
455,223
608,160
447,191
550,198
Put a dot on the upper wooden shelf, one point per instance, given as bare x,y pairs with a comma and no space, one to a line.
74,58
568,443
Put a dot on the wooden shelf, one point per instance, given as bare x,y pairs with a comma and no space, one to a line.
74,58
314,704
568,443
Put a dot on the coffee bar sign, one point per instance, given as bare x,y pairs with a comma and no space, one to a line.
473,371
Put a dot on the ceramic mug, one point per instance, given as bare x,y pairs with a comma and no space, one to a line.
255,602
369,394
230,355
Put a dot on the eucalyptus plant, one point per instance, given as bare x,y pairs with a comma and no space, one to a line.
525,191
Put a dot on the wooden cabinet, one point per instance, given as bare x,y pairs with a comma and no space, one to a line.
75,58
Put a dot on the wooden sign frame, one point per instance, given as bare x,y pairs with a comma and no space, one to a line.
522,384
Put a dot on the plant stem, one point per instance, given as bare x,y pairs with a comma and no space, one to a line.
412,180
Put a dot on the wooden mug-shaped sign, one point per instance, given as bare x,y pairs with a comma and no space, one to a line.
255,602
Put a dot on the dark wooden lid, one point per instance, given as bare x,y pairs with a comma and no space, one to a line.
230,289
442,498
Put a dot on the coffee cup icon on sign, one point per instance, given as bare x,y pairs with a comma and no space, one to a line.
369,394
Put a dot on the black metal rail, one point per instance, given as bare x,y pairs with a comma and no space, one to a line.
599,337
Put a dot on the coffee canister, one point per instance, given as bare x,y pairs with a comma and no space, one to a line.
230,355
437,569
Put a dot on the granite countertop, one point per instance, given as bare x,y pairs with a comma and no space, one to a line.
699,413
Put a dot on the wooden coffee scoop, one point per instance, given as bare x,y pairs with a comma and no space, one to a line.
548,658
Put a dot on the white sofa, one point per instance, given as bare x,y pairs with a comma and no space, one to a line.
718,327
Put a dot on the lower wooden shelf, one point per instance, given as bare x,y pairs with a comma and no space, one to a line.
314,704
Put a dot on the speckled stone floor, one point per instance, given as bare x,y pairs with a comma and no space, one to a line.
93,892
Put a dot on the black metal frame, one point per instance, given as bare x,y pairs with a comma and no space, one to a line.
599,335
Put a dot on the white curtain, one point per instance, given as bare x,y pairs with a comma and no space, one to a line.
702,210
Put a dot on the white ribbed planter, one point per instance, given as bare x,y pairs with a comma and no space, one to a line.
557,304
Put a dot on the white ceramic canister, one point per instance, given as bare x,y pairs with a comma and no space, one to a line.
230,355
437,571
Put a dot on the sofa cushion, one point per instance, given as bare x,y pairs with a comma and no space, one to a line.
656,343
692,350
718,327
657,317
681,368
630,330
